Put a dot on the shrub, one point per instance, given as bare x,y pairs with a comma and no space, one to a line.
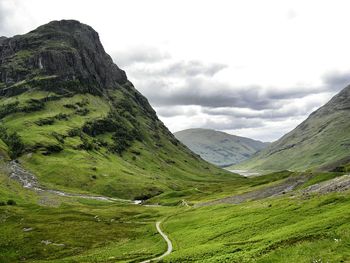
102,143
50,149
13,141
15,144
11,202
2,203
58,137
82,103
74,132
33,105
45,121
8,109
70,106
62,116
123,134
82,112
87,144
339,169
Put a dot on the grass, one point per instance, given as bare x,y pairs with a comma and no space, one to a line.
292,227
270,230
90,230
107,232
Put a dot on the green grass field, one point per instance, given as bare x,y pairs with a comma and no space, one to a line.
47,228
288,228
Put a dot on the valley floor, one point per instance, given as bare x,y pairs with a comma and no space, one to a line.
279,217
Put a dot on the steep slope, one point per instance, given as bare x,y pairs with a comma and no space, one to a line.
72,117
219,148
321,140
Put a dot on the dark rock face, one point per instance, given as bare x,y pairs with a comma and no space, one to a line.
66,50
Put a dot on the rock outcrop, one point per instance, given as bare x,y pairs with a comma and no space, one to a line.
66,50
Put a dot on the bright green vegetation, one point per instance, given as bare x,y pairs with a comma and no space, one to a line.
44,227
320,141
219,148
289,229
112,150
296,227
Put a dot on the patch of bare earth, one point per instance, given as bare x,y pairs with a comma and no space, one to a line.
338,184
284,187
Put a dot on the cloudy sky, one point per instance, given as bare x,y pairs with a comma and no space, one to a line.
251,68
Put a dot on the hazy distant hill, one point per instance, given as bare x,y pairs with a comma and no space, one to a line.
323,139
217,147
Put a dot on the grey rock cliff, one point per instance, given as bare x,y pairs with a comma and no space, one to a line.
66,49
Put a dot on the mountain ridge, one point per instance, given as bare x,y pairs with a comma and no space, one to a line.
321,140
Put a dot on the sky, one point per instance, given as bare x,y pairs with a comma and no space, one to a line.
247,67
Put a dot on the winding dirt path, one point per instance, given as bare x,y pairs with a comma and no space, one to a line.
169,244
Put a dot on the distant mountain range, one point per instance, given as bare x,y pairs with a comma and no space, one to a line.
219,148
321,141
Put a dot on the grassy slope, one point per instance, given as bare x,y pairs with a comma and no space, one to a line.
147,168
321,141
273,230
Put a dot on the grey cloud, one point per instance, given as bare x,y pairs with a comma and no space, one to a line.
192,68
335,80
178,69
175,88
209,93
270,114
4,12
9,24
141,54
175,111
232,123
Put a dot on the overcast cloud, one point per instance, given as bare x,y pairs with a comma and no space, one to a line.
252,68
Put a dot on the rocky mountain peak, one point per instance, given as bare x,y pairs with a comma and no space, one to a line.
64,50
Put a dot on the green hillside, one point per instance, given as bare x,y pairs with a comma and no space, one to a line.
322,140
219,148
72,118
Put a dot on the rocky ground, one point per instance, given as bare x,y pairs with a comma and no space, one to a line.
339,184
286,186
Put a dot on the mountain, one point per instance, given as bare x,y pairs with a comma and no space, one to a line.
71,116
219,148
322,140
